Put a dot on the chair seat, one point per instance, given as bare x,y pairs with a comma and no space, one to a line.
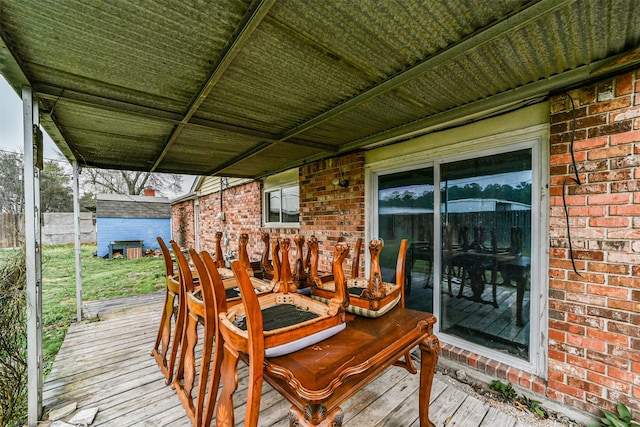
359,304
231,286
291,322
304,342
280,316
359,309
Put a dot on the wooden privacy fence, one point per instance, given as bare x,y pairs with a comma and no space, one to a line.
11,230
57,229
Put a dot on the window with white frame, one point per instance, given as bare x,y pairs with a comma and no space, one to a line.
282,205
281,200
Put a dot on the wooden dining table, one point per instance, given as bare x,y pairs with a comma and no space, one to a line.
512,267
318,379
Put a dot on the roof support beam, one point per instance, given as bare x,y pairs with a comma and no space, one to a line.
458,115
472,42
56,94
255,150
253,18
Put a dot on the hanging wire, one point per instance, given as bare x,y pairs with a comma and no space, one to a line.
567,181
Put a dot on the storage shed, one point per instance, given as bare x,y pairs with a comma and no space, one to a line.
128,224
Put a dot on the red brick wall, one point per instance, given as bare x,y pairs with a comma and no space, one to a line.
594,316
330,211
182,223
242,209
327,211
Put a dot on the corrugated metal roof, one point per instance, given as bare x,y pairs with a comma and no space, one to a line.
249,88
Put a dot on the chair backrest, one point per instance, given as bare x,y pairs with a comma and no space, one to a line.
217,287
168,262
206,284
300,270
275,258
253,313
312,254
203,408
186,277
377,288
340,301
281,262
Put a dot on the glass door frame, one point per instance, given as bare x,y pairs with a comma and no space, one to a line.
535,138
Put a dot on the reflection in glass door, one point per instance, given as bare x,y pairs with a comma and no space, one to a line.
486,250
405,211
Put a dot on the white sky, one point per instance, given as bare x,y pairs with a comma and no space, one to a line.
11,132
11,124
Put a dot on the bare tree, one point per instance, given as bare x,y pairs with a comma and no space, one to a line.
11,184
130,182
12,196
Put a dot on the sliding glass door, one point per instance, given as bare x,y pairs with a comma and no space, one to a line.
481,264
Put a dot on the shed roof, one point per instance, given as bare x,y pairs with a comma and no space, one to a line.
126,206
244,88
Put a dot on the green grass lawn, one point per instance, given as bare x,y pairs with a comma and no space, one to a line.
101,278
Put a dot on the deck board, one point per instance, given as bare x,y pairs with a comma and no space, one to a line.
107,364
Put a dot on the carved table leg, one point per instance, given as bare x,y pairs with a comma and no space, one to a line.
429,350
315,415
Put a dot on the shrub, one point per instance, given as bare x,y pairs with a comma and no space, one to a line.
13,339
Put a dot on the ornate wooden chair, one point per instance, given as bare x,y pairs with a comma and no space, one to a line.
170,311
371,297
273,325
201,307
315,276
196,312
229,280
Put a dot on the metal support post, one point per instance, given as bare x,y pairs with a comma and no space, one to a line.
77,240
33,241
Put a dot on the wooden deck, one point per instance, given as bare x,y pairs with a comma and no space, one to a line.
107,364
476,322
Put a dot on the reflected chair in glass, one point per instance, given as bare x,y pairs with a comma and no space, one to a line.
474,265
